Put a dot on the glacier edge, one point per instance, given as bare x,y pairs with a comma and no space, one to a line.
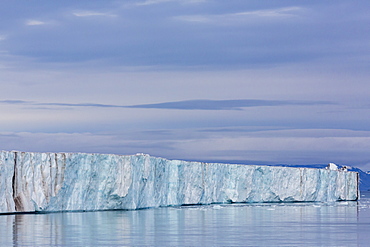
49,182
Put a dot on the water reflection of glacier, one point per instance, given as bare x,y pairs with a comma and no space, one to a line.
311,224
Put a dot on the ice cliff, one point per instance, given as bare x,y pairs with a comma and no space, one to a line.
75,181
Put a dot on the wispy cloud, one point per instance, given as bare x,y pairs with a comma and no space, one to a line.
81,105
280,12
152,2
92,13
184,105
2,37
14,102
225,104
34,23
265,14
38,104
292,146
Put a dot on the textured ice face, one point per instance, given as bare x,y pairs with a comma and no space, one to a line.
77,181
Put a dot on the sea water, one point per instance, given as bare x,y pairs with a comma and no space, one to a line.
259,224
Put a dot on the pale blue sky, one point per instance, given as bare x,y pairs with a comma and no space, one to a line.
237,81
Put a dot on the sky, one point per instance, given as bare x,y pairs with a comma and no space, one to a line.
239,81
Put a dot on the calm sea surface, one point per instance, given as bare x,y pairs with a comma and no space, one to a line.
285,224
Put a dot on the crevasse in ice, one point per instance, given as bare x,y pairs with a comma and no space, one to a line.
77,181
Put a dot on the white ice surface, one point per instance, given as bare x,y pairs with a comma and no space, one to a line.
78,181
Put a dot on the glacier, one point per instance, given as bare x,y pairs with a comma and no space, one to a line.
55,182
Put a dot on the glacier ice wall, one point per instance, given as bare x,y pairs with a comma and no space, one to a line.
76,181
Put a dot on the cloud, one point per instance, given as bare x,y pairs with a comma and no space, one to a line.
31,103
34,23
81,105
304,146
186,104
150,37
280,13
225,104
14,102
92,13
152,2
261,55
